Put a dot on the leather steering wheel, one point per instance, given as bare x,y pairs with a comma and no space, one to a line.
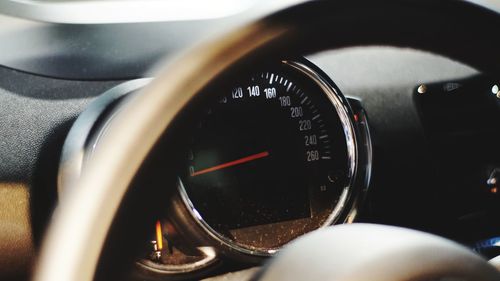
457,29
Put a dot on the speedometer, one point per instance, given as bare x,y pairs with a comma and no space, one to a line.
271,157
263,155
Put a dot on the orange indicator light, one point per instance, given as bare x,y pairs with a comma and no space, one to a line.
159,235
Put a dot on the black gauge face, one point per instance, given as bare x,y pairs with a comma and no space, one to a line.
269,158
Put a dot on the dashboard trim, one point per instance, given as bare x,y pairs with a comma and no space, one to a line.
121,11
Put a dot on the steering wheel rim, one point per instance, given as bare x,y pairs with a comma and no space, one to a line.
388,253
87,214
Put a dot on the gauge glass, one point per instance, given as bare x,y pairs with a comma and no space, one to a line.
269,159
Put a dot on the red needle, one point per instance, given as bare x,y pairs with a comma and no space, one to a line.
232,163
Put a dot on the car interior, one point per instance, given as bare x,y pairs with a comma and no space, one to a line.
249,140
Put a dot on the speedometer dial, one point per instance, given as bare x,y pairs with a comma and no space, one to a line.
271,158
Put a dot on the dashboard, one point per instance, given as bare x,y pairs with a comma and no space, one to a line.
264,155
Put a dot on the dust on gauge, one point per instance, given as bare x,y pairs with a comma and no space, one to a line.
271,159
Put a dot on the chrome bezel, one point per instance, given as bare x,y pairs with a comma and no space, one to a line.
210,259
342,108
76,147
79,147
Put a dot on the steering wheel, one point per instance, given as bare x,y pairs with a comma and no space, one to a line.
457,29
